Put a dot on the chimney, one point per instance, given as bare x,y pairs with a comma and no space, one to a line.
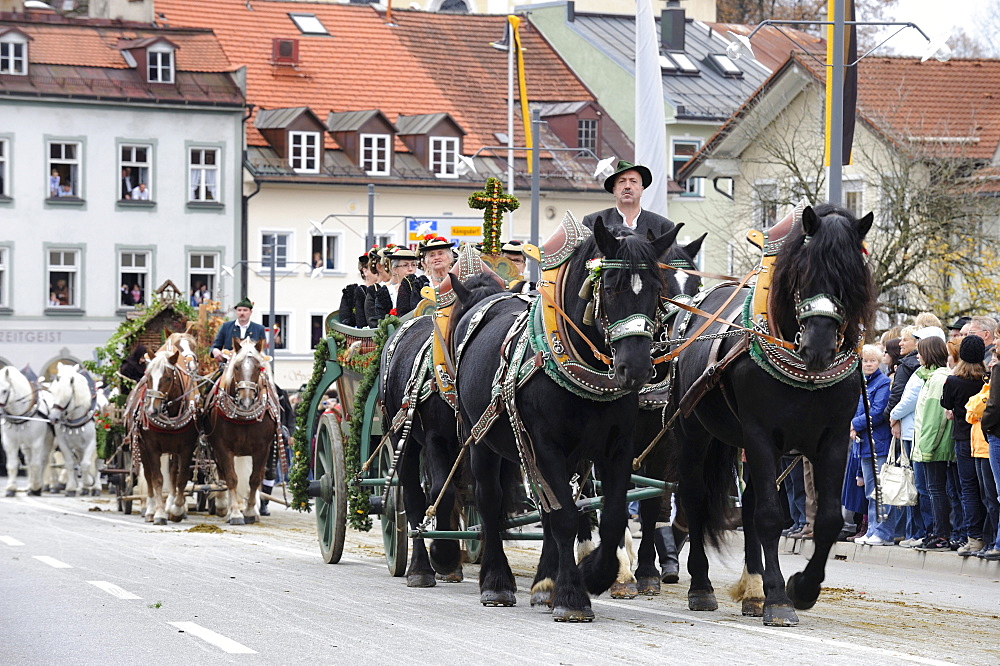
672,27
570,11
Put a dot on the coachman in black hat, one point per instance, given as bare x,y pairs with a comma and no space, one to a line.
627,184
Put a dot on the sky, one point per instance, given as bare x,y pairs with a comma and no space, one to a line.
933,17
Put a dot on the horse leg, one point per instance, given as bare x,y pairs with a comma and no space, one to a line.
69,453
496,580
647,574
803,588
181,475
225,462
158,471
625,586
251,514
601,568
90,479
694,498
750,588
445,554
239,492
10,449
419,572
40,449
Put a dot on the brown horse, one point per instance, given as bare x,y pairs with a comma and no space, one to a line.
161,425
241,421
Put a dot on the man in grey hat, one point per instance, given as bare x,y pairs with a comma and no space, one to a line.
627,184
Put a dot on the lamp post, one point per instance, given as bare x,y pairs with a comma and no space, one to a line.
741,46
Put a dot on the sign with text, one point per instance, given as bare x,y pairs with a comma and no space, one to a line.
417,229
472,231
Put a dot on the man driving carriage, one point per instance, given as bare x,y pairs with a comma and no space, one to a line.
241,328
627,184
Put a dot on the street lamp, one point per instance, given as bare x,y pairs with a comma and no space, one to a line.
741,46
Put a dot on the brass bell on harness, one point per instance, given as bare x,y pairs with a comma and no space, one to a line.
587,289
588,314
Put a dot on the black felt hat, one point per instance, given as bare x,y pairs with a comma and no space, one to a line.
513,246
623,166
959,323
432,242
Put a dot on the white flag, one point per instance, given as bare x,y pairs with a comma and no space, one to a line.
650,120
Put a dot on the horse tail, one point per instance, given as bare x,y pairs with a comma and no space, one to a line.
719,478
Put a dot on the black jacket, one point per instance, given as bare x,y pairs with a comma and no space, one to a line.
991,415
907,366
647,221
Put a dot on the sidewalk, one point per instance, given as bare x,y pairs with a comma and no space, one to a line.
895,556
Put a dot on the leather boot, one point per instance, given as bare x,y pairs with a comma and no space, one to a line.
666,550
265,487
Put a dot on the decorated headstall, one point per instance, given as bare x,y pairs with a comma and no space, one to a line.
636,324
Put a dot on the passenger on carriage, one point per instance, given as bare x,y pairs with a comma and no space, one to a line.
627,184
514,250
241,328
352,301
134,366
436,258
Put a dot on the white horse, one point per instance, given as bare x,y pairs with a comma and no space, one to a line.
24,426
74,403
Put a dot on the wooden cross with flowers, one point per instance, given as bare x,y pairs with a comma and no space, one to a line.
494,203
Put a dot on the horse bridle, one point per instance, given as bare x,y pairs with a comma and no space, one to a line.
155,394
820,305
636,324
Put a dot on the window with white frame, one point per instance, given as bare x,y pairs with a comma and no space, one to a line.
14,54
64,169
586,133
4,162
444,154
375,154
203,271
4,277
326,252
854,196
304,151
682,151
384,238
280,242
64,278
133,277
316,332
765,205
135,172
160,63
280,331
203,174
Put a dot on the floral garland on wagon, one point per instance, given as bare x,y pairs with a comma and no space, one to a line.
367,365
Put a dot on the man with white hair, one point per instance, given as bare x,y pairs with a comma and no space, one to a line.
984,327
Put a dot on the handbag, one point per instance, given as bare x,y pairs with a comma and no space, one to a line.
896,478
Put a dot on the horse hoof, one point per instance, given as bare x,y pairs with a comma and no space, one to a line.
497,598
159,521
59,487
702,600
178,518
453,577
70,493
542,598
35,493
624,591
753,607
96,492
648,585
237,521
420,580
148,518
780,616
794,592
250,520
563,614
10,493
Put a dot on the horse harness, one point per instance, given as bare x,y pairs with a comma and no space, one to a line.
20,421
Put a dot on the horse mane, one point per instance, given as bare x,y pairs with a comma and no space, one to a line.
479,287
830,262
173,342
633,250
246,349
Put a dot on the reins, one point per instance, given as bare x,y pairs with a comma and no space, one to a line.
604,358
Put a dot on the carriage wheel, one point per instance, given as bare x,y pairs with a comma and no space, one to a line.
331,505
393,520
473,547
127,486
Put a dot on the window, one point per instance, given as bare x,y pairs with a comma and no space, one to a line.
281,249
316,332
303,151
384,238
766,208
135,180
685,63
308,24
64,270
375,154
586,133
854,199
64,170
3,168
281,330
326,252
14,55
203,172
725,66
133,278
444,154
682,152
202,275
160,63
4,278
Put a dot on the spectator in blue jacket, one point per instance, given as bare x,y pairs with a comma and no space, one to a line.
877,386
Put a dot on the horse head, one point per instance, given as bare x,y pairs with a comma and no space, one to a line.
469,293
822,288
247,372
69,389
164,385
627,283
680,259
7,379
186,343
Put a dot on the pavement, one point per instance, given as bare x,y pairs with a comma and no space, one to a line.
898,557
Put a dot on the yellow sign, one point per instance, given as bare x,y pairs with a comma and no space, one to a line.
475,232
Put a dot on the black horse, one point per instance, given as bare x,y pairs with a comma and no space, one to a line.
772,401
558,426
432,443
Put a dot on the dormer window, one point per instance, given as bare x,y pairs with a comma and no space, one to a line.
304,151
375,154
14,53
160,63
444,154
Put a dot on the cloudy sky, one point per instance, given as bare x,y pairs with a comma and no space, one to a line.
933,17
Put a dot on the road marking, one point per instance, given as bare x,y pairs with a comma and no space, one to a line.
789,633
53,562
10,541
113,589
209,636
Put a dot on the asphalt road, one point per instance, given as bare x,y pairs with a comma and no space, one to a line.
84,584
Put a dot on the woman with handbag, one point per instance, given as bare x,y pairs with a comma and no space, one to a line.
966,381
877,386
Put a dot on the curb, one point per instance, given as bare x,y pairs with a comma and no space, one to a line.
895,556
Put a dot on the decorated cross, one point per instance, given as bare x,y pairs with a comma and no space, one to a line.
494,203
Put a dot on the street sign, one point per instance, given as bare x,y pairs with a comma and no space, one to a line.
475,231
417,229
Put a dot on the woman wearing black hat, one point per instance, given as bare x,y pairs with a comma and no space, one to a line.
966,381
436,258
